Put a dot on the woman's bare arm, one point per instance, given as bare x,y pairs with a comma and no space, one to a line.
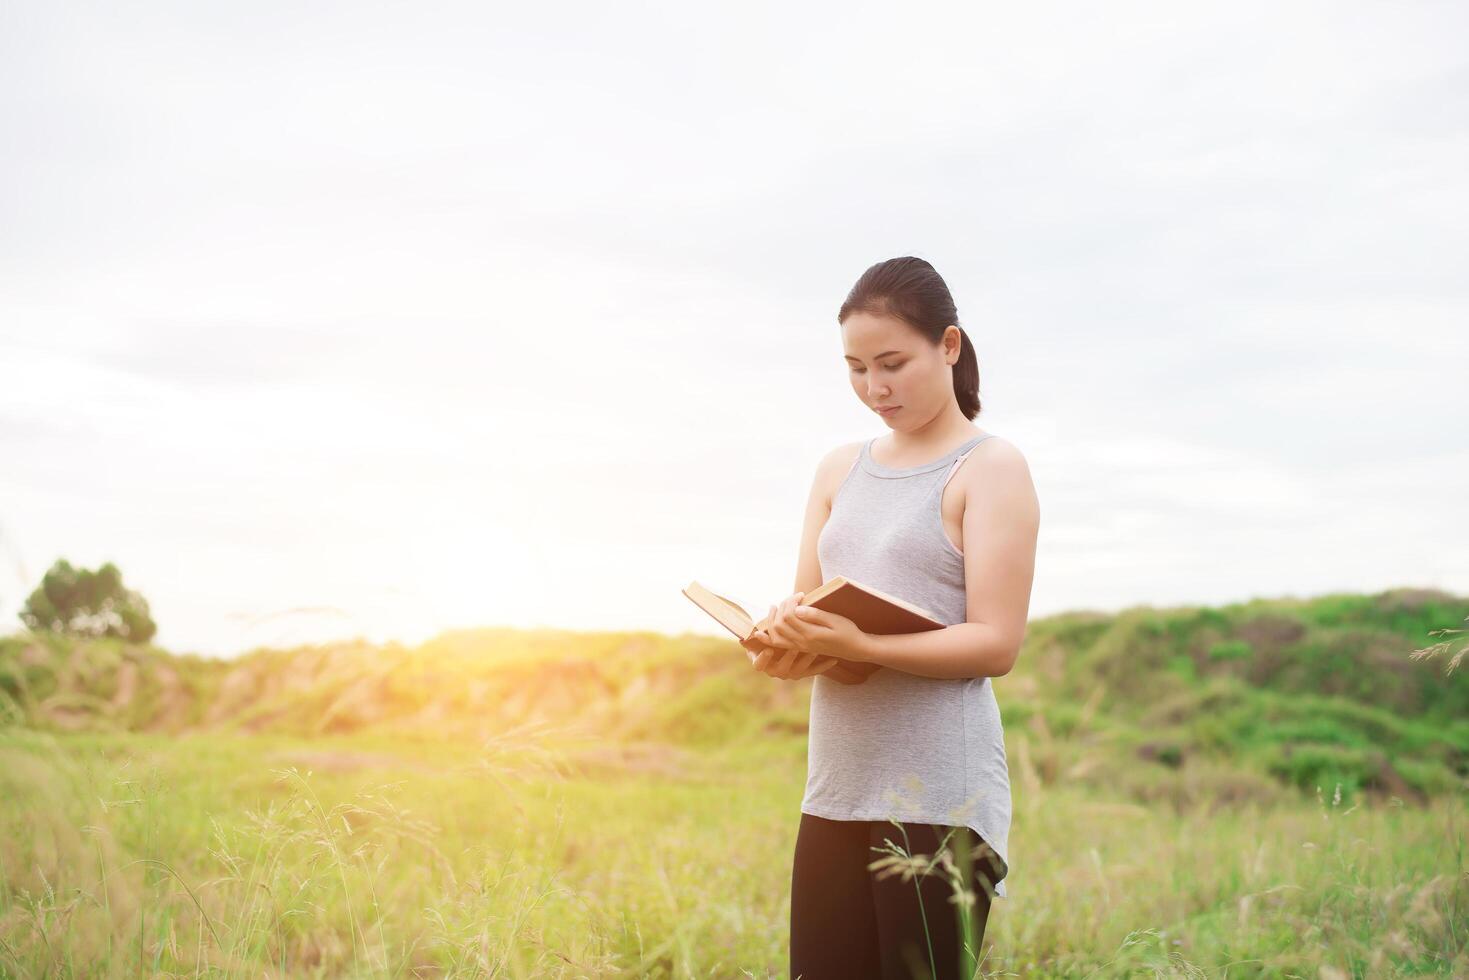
829,473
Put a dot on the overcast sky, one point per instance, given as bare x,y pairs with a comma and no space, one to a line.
325,320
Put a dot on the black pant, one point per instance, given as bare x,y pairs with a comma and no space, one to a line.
847,922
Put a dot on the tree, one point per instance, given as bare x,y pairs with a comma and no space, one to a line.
84,603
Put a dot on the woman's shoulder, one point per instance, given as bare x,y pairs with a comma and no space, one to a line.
999,451
840,459
835,465
1000,472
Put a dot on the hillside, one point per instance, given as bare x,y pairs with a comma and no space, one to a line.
1233,702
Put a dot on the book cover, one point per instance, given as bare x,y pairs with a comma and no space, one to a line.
871,610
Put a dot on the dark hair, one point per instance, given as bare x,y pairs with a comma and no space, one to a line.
913,291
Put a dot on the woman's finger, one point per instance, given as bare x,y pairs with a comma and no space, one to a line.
819,666
768,663
790,602
783,610
769,658
788,621
781,665
822,665
779,618
786,635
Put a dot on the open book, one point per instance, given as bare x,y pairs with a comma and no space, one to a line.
872,611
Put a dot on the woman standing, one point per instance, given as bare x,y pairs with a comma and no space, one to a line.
906,746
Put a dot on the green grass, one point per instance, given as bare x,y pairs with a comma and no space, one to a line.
1270,789
225,855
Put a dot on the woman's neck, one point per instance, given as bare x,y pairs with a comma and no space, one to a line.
934,438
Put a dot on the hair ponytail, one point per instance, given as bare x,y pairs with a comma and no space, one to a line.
966,377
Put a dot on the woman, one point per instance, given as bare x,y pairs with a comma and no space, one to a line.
906,748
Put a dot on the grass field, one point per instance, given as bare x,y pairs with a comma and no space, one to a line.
648,831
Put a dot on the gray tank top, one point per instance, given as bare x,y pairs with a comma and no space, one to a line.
900,746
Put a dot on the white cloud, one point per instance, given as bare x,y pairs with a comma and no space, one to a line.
399,320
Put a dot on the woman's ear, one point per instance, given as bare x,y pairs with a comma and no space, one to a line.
953,344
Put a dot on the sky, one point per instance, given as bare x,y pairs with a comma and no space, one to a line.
339,320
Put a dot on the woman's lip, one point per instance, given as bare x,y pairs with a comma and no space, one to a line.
889,410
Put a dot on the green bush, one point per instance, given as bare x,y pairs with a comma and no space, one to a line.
1310,766
1231,650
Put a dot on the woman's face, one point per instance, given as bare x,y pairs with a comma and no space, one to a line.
892,366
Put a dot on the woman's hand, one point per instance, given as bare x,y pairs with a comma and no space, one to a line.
767,659
808,629
788,661
779,615
790,665
773,661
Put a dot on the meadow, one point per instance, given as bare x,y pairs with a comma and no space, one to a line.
1272,789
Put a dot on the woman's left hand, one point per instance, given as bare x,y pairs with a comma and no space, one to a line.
818,631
